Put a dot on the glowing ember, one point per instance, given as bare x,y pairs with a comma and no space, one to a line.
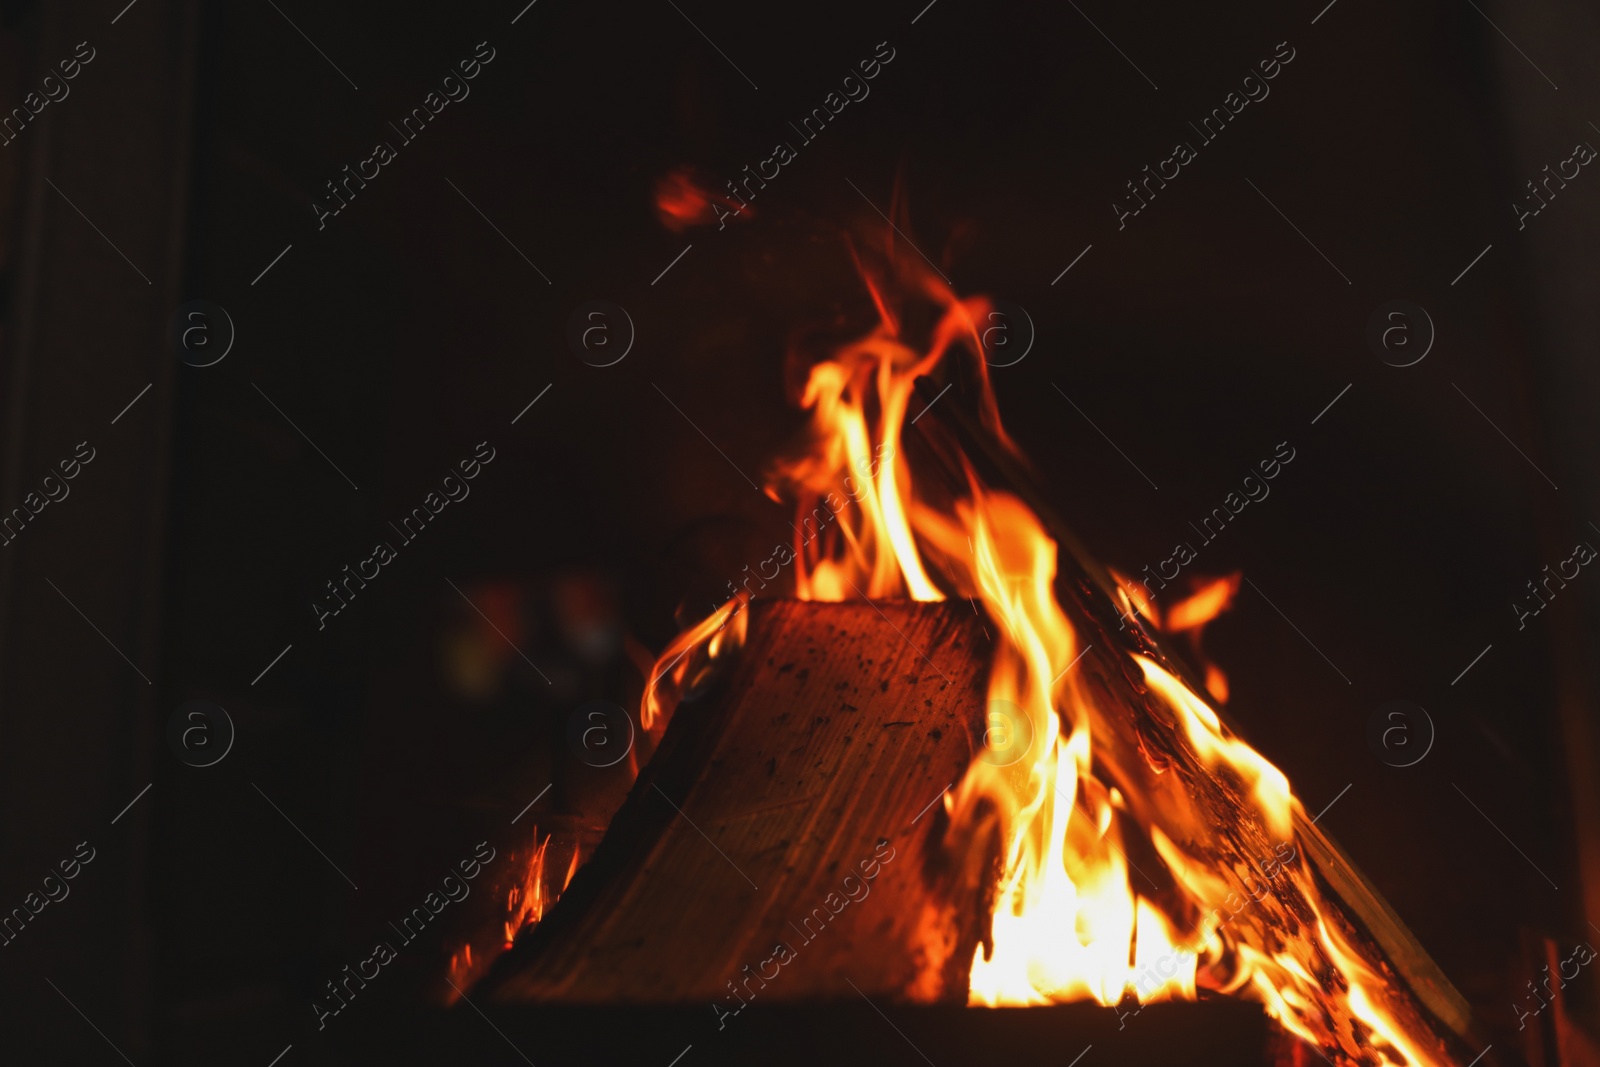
1069,921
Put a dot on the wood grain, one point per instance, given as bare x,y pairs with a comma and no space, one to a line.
827,748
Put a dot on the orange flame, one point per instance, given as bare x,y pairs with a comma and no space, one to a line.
1068,922
690,655
461,965
527,901
683,201
1208,601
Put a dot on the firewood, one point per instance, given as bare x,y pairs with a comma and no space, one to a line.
797,806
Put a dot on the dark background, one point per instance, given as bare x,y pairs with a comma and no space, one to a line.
408,330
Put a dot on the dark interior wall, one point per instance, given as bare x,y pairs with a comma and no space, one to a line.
92,264
1542,105
421,319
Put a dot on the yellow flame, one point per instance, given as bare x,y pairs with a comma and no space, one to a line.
689,655
1218,749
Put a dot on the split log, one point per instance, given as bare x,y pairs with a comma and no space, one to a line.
792,807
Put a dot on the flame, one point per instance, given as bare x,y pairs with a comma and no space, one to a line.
689,658
1209,600
528,900
1132,598
682,201
461,965
1206,603
525,899
1069,921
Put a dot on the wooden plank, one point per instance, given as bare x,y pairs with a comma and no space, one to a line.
820,762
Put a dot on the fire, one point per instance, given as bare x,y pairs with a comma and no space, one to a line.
536,885
1211,599
690,655
683,201
1189,616
527,901
1070,921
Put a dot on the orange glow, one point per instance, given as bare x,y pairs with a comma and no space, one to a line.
1216,683
461,965
1210,600
682,201
689,656
528,900
1131,598
525,900
1220,750
1069,921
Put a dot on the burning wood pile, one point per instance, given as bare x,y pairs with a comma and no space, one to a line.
961,764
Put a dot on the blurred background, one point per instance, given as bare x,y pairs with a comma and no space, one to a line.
374,349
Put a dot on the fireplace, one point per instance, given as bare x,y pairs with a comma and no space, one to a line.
725,535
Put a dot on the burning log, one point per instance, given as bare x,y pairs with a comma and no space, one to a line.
795,807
